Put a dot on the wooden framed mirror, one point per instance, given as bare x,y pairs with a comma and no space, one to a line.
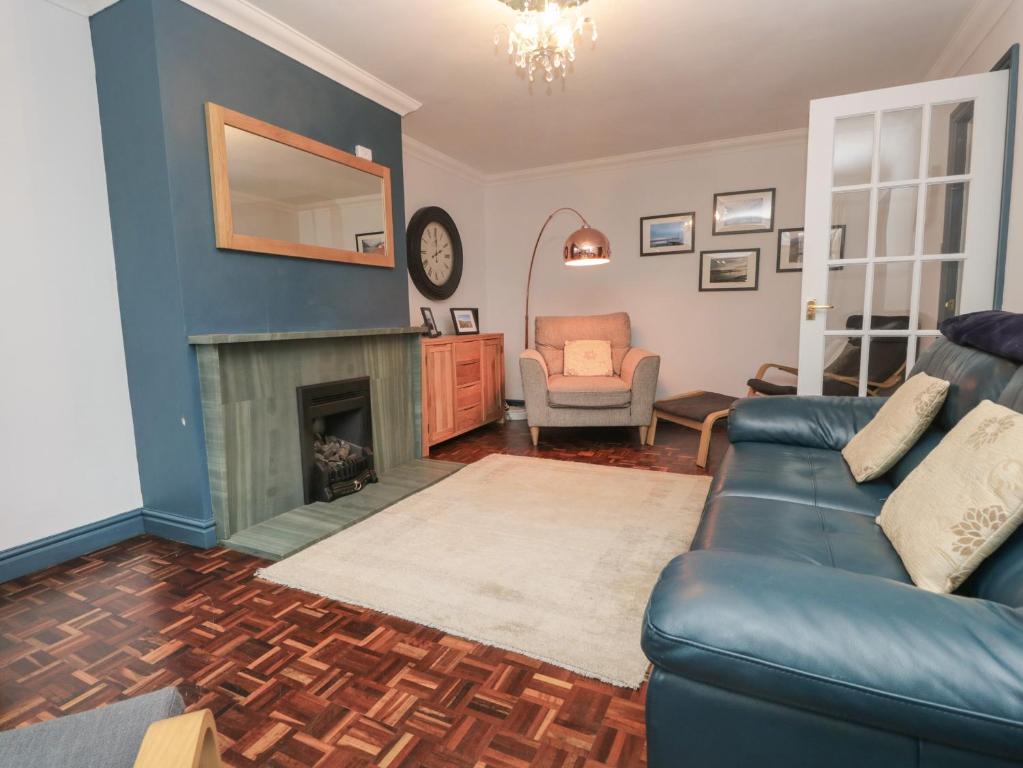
275,191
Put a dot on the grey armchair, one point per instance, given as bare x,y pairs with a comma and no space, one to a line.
625,399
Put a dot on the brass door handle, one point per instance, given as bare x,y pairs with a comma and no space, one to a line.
812,306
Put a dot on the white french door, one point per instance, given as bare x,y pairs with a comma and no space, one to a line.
903,193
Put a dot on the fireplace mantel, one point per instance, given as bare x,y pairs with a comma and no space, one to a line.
205,339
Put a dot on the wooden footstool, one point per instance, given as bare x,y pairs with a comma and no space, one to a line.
697,410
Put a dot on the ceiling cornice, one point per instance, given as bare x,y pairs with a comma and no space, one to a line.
271,31
977,25
417,149
654,156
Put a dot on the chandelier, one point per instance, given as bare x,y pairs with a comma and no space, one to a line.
544,34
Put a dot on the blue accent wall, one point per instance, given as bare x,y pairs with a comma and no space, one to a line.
157,64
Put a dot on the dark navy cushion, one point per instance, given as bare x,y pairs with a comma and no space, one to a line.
994,331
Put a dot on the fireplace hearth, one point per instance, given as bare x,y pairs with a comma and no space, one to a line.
336,438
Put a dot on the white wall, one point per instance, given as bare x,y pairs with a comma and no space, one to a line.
432,178
970,55
67,449
706,340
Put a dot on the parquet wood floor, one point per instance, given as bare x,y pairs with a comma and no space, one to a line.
298,680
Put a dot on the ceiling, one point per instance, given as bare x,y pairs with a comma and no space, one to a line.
663,73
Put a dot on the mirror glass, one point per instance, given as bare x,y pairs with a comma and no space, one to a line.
279,192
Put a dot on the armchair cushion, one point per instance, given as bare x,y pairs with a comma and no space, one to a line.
588,392
853,647
552,333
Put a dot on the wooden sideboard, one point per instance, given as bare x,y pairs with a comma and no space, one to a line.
463,384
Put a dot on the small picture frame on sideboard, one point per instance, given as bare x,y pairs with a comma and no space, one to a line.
430,323
466,320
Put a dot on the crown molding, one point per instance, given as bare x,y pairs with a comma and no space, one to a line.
654,156
83,7
270,30
424,152
977,24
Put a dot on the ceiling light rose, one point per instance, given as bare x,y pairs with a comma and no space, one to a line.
544,39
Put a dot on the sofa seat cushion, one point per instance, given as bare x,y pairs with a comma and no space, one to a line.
813,476
834,538
588,392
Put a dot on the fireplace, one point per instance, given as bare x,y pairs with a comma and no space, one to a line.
336,437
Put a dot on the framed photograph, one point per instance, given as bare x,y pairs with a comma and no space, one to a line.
790,248
741,213
465,320
371,242
429,322
667,233
729,270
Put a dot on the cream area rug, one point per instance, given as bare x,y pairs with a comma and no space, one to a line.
551,559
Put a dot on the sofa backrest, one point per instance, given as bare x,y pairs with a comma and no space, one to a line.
973,376
552,333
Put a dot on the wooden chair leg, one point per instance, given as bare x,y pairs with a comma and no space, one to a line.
534,433
651,432
706,432
642,435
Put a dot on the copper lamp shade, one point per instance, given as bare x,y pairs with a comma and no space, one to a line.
587,246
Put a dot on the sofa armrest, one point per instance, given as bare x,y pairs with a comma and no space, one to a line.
812,422
534,385
863,648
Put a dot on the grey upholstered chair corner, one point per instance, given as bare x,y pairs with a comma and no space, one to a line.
144,732
625,399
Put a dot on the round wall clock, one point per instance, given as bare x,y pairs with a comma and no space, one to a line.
434,253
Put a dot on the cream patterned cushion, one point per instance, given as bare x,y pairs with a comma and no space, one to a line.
588,358
895,429
962,502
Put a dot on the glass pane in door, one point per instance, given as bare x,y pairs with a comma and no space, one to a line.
851,211
893,291
945,216
941,283
896,222
854,150
951,141
841,365
846,290
900,144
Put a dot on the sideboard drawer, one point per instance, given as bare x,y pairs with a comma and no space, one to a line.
467,372
472,416
467,396
468,350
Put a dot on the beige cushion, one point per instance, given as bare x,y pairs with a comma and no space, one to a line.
587,392
553,332
895,429
962,502
589,357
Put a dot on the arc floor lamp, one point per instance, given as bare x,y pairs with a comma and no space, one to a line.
586,247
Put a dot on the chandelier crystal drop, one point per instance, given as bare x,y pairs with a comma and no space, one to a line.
544,39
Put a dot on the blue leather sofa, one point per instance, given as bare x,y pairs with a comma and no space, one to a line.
791,635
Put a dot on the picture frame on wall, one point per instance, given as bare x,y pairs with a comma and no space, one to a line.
667,233
370,242
730,270
466,320
745,212
791,245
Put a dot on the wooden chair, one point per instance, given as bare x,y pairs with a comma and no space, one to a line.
185,741
885,368
699,410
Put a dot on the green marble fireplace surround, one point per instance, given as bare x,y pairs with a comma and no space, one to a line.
250,412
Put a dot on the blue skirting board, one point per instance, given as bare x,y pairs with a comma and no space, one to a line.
42,553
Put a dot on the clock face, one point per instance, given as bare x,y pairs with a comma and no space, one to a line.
436,253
